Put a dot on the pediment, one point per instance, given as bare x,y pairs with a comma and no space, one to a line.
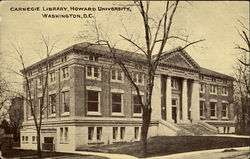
180,59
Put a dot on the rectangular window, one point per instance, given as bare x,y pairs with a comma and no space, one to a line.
119,75
90,133
65,73
89,71
66,134
122,133
224,91
96,72
202,108
65,101
93,72
224,110
93,58
117,102
61,134
115,131
116,76
27,138
99,133
52,103
93,98
22,138
213,109
52,77
202,87
113,74
33,138
136,132
138,78
213,89
137,104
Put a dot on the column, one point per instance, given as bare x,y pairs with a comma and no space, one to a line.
169,99
184,100
195,101
156,99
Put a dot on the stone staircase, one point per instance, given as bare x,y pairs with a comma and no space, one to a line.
195,129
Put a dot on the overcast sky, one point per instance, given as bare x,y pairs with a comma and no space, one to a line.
213,21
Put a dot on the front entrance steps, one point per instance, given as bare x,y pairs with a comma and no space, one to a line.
198,128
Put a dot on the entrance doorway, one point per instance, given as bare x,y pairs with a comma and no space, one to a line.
174,109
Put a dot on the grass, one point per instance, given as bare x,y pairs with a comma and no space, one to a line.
32,154
165,145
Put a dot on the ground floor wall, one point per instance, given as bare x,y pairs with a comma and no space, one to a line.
223,127
71,135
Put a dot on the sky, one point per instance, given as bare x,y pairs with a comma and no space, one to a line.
214,21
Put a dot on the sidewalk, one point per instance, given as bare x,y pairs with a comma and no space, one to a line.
109,155
211,154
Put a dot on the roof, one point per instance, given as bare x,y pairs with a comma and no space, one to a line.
125,55
213,73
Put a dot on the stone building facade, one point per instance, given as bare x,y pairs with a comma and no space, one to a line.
90,101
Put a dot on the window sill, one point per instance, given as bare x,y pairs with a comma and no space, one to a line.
65,114
225,118
94,113
52,115
137,115
224,95
117,81
93,78
202,91
34,142
25,142
118,114
213,117
213,93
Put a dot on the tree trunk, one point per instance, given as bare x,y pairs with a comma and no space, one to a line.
144,130
39,152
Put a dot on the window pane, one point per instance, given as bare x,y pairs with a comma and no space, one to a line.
89,71
96,72
137,105
116,98
122,133
139,78
119,75
115,130
90,133
113,74
99,133
92,96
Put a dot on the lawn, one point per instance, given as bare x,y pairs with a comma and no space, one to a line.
164,145
32,154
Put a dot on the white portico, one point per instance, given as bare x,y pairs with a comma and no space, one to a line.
176,90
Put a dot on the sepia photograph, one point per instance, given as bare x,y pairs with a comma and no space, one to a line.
124,79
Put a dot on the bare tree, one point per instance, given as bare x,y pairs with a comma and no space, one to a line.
36,109
242,95
244,34
156,33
